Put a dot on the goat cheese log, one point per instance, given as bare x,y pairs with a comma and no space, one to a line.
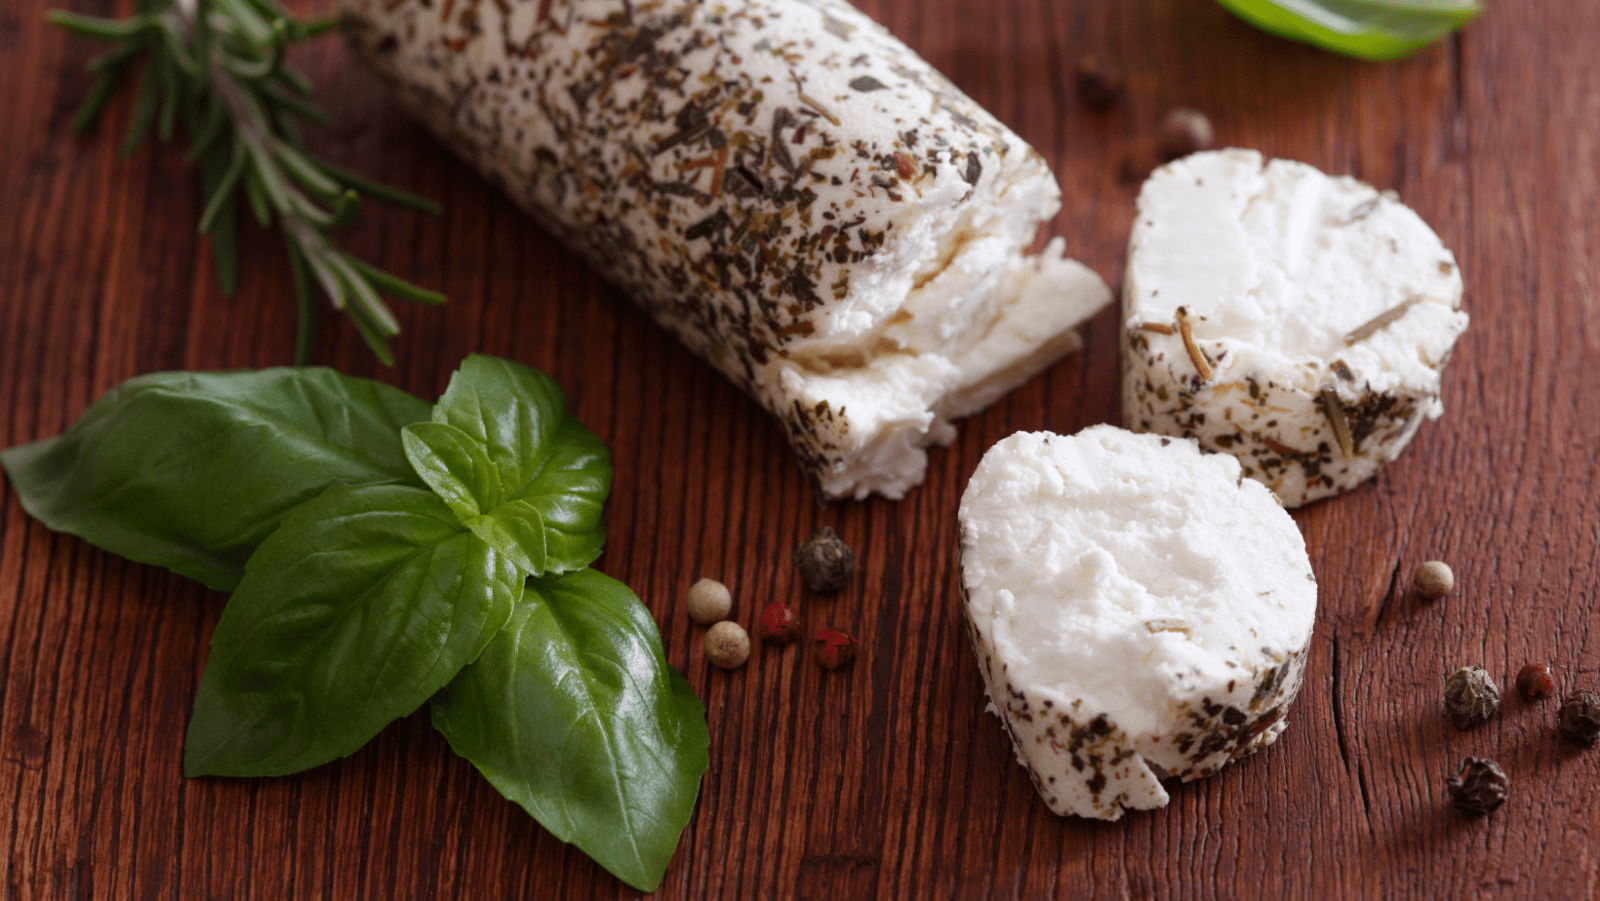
781,184
1140,611
1296,321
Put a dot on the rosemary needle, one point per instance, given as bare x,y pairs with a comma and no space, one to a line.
218,66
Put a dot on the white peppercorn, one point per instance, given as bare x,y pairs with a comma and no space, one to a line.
709,601
727,645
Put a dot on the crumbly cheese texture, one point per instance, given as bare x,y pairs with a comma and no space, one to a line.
781,184
1320,314
1140,611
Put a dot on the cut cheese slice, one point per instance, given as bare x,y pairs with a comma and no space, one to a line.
1139,609
1296,321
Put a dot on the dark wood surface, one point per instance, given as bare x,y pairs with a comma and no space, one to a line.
886,780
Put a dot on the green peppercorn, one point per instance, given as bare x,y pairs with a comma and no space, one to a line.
1470,696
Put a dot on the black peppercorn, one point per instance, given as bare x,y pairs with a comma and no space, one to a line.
825,561
1480,786
1470,696
1100,82
1579,717
1184,131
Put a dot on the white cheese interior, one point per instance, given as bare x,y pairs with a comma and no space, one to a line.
1278,263
948,317
1132,576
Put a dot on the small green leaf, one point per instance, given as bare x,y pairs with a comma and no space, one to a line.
144,110
104,85
1370,29
573,713
454,465
192,470
97,28
364,604
376,190
518,470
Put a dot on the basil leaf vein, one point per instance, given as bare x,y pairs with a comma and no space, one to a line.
515,466
192,471
362,605
573,713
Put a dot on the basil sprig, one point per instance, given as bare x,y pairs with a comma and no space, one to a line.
1370,29
379,554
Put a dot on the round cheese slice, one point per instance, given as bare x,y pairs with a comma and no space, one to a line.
1296,321
1140,611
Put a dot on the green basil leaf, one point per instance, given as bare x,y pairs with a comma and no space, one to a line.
574,713
516,468
359,608
1370,29
192,470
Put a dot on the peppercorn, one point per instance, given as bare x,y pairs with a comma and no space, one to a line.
1100,82
1434,579
825,561
779,624
834,648
727,645
709,601
1534,681
1480,786
1184,131
1579,717
1470,696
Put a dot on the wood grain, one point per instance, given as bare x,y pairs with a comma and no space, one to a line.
886,780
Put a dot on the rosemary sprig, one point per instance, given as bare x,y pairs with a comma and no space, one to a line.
218,64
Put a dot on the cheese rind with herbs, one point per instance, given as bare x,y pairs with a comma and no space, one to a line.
1140,611
1297,321
781,184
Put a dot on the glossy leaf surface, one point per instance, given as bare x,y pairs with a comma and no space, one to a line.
516,468
1370,29
361,606
192,471
573,712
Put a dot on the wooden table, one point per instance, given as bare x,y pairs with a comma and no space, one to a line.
886,780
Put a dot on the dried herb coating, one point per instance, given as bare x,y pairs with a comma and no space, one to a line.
1479,787
825,561
1579,717
782,185
1470,697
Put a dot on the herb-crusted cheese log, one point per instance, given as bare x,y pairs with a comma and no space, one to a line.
1140,611
781,184
1296,321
